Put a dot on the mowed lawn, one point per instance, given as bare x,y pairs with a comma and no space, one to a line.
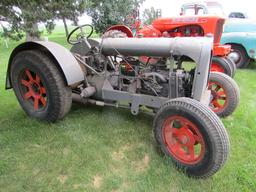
108,149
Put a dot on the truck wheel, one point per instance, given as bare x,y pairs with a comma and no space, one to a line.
239,56
225,94
114,34
39,86
219,64
192,136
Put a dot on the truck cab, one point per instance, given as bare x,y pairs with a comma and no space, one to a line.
202,8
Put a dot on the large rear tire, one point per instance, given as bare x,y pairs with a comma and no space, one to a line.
192,136
225,94
39,86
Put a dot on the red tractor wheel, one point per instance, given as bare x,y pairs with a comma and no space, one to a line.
219,64
193,136
39,86
225,94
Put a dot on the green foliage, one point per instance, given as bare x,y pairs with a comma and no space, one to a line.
150,15
23,16
107,13
68,9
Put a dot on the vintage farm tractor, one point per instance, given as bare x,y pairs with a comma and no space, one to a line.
225,92
45,76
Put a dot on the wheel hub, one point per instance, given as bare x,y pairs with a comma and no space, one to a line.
36,88
34,91
184,141
219,96
235,56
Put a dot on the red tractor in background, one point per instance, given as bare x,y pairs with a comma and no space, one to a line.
225,96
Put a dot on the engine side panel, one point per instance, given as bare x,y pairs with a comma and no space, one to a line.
199,49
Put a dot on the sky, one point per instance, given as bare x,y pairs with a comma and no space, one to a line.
172,7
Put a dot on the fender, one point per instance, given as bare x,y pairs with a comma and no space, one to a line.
122,28
149,31
246,40
66,62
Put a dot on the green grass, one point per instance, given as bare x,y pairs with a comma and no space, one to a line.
108,149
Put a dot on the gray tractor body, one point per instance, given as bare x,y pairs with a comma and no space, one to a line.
98,86
198,49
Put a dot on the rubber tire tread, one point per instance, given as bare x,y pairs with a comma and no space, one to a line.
232,64
60,92
213,126
232,91
224,64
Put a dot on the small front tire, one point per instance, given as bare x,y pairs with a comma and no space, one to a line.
192,136
225,94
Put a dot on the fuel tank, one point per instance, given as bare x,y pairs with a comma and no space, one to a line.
158,47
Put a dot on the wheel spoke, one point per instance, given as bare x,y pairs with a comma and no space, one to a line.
43,101
221,95
216,104
29,75
38,80
170,138
223,98
217,88
36,103
191,152
25,83
175,131
179,151
28,95
43,90
176,148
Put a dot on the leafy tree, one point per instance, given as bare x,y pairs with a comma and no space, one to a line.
107,13
68,9
149,15
24,16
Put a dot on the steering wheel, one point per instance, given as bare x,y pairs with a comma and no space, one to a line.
80,36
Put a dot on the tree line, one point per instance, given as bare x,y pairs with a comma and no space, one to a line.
22,17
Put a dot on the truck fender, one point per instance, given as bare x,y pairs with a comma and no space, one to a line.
64,60
243,39
122,28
